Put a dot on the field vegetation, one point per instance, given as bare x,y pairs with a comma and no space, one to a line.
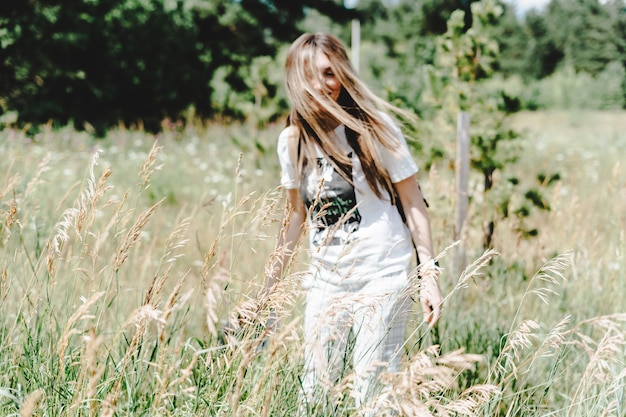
129,267
139,206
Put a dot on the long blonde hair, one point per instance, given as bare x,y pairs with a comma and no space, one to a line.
357,108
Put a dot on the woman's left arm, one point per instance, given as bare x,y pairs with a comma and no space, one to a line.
418,222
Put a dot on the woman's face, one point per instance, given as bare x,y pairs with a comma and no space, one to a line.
329,85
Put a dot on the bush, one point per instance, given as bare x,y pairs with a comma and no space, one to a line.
101,62
567,89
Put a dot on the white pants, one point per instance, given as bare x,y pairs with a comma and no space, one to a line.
374,314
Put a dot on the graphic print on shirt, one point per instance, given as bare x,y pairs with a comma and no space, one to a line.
334,213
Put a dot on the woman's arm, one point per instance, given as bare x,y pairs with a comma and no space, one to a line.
418,222
290,232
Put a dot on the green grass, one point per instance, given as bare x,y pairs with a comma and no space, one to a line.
123,261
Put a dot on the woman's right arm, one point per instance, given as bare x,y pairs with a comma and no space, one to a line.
292,226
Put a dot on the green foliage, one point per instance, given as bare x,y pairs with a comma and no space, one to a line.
437,13
582,30
586,35
530,48
515,49
472,53
98,63
263,100
467,61
393,32
543,54
567,89
136,61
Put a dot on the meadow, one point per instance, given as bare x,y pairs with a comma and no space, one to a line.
129,268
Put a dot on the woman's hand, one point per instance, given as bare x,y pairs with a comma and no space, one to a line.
431,298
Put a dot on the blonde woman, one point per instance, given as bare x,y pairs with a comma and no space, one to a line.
347,171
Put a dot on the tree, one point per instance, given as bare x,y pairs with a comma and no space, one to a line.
437,12
105,61
513,43
406,35
542,48
582,30
465,58
617,11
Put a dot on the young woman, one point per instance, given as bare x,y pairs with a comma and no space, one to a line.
350,182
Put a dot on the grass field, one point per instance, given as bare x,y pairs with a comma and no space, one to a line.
129,265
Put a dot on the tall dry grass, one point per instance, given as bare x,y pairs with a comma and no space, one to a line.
129,269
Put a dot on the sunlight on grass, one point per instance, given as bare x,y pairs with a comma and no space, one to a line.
129,268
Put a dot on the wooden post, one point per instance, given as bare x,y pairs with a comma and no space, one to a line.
356,44
462,185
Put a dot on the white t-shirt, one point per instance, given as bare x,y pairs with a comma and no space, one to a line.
353,234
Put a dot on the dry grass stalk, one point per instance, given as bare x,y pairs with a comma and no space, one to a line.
556,337
30,404
10,219
605,356
269,201
525,334
215,288
265,407
246,352
102,236
140,319
10,185
249,328
55,245
207,263
416,390
176,240
4,286
470,272
185,373
471,400
69,331
100,190
261,328
93,369
153,294
88,199
109,405
42,167
171,305
274,339
242,321
167,388
80,215
10,216
474,269
511,364
165,372
215,282
90,371
149,166
551,274
521,338
133,236
151,299
274,265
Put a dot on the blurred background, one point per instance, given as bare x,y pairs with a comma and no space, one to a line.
96,64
